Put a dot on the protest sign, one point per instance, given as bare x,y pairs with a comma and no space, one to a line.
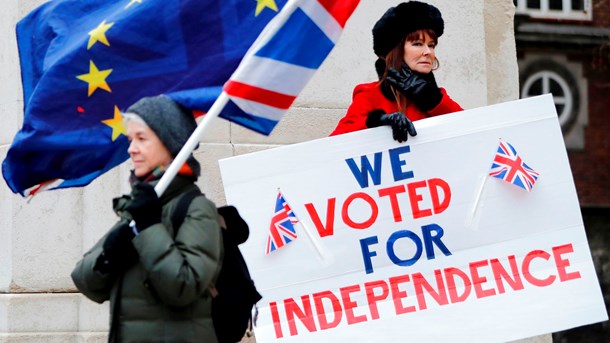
416,241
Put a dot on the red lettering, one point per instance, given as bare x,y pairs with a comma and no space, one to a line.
525,268
392,193
415,198
450,274
478,280
318,299
453,285
397,294
349,305
434,185
562,264
328,229
365,224
277,326
420,283
501,274
372,299
305,315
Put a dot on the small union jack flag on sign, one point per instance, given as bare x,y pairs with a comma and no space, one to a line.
281,230
509,166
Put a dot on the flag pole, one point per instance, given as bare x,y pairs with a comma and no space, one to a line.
477,200
309,235
222,100
191,143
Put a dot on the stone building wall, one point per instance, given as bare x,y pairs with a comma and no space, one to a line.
41,241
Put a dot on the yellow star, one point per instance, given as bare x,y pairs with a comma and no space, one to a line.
96,78
262,4
99,34
116,124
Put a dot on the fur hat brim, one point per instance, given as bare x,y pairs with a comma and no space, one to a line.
397,22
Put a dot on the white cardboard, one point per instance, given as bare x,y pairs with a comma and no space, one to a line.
543,226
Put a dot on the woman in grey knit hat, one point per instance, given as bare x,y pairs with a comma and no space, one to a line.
156,276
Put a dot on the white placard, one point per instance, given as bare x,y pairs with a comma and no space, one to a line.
391,246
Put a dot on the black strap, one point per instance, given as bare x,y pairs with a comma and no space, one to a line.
113,335
182,208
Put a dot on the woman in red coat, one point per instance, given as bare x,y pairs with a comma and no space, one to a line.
404,40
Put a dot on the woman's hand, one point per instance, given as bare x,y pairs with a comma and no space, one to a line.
419,88
402,127
145,206
118,254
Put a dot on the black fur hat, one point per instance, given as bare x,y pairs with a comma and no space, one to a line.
399,21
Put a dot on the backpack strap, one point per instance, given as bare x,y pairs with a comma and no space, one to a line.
180,214
182,208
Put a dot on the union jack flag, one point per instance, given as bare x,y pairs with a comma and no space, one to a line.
509,166
282,61
281,230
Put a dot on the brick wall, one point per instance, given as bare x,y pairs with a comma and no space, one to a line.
601,13
591,167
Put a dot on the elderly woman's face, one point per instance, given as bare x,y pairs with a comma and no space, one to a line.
145,149
419,54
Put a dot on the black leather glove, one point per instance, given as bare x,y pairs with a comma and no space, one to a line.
144,206
419,88
237,228
119,253
402,127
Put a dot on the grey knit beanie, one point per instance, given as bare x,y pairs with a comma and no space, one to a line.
171,122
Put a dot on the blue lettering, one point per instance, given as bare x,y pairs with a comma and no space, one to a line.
431,235
429,238
397,163
362,175
404,234
366,253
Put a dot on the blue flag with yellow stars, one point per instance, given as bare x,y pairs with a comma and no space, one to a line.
85,61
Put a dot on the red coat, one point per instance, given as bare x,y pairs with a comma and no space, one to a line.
367,97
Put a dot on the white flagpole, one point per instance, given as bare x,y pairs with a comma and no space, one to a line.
312,239
471,215
270,29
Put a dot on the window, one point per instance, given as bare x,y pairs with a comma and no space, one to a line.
555,9
546,77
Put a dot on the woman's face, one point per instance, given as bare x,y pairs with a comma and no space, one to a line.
145,149
419,54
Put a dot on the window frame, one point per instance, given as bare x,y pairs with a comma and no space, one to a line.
566,13
546,70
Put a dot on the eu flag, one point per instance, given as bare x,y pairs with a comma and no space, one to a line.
84,61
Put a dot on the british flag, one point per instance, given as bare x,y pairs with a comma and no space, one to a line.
509,166
282,60
281,230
